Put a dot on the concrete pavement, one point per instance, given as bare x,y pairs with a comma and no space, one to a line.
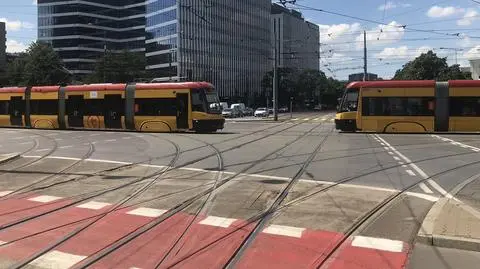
135,198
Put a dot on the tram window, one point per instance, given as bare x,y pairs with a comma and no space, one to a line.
93,107
156,107
397,106
198,103
44,107
465,106
4,108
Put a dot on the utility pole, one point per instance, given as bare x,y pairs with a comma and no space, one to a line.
365,72
276,30
456,50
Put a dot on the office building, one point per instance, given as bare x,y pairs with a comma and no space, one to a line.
226,42
299,40
82,31
3,47
359,77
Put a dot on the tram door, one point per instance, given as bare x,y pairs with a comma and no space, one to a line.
75,110
113,111
182,110
16,108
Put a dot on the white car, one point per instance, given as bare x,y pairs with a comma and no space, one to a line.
261,112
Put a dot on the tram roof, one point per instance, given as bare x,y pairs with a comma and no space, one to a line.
392,84
111,87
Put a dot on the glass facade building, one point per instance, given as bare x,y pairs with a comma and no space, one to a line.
226,42
299,39
81,31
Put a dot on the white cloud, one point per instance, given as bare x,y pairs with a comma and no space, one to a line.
382,35
439,12
338,32
468,18
402,52
16,25
15,46
392,5
473,53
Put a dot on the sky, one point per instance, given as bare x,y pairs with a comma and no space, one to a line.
397,31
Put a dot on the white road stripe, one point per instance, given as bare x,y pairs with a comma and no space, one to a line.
57,259
63,158
396,158
111,140
284,230
65,147
147,212
44,198
425,188
391,153
407,160
439,189
106,161
24,143
306,119
126,137
40,150
377,243
295,119
382,144
95,134
5,193
217,221
93,205
410,172
386,148
18,138
424,196
416,168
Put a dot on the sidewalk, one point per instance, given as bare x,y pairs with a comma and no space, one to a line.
454,221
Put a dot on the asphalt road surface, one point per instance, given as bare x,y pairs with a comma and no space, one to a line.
292,194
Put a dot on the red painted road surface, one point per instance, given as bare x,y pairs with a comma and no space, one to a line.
207,243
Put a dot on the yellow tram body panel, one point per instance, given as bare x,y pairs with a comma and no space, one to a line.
155,107
469,121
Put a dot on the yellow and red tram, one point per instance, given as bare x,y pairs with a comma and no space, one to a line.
410,106
153,107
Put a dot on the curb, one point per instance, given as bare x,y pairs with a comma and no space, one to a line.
426,235
8,157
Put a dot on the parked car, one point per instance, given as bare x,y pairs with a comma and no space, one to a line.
270,111
261,112
231,113
240,107
224,105
283,109
248,111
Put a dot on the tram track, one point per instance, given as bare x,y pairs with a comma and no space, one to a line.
386,203
180,207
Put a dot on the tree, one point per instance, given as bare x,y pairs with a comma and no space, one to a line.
119,68
15,72
43,66
429,66
307,87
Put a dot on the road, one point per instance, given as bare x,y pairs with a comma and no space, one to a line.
258,194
